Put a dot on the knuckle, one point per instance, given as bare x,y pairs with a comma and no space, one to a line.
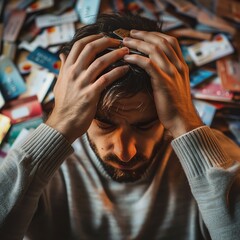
109,40
154,48
164,41
171,70
78,44
98,63
181,68
72,72
148,62
90,46
103,80
172,40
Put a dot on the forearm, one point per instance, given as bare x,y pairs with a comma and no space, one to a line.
23,175
214,178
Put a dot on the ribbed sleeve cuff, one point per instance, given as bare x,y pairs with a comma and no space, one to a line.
47,149
199,151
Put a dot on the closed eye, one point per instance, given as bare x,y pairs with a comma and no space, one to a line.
103,123
145,127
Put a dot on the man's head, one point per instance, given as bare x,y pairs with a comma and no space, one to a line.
125,133
136,80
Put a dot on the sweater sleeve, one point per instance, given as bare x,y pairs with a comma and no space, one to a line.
211,162
23,175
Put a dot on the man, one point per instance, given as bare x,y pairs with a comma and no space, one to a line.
121,103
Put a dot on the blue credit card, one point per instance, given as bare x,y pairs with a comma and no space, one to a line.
11,82
45,59
187,57
200,76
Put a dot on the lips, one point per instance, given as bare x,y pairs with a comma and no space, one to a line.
127,167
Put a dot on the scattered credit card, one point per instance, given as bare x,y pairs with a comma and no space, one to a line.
11,82
2,101
5,124
199,76
88,10
38,83
49,20
229,72
212,90
205,110
39,5
23,109
208,51
14,25
45,59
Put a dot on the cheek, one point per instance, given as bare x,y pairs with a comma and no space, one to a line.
147,142
101,141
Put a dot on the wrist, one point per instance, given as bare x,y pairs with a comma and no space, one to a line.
62,128
183,126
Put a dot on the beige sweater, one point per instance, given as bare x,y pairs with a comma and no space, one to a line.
49,191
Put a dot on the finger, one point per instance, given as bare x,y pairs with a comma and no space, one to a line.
90,51
154,47
101,63
153,70
173,42
63,59
159,39
147,36
78,47
108,78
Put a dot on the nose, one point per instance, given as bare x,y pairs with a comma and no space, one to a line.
124,145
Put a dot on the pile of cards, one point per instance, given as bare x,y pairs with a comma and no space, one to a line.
35,30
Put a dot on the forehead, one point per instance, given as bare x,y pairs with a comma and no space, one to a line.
138,107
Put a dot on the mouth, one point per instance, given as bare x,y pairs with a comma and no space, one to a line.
127,167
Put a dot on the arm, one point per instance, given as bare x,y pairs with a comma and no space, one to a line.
27,170
213,175
23,175
212,165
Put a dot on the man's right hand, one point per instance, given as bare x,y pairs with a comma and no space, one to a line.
79,86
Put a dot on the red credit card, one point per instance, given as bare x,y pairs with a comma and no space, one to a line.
23,109
229,72
14,25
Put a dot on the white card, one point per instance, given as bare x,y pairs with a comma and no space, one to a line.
38,83
2,102
55,35
48,20
39,5
60,34
208,51
88,10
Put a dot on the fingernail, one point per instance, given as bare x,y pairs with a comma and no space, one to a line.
133,31
126,39
125,68
125,49
127,57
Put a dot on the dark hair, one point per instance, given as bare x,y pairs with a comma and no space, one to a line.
136,80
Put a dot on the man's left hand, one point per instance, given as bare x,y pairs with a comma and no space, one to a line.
169,78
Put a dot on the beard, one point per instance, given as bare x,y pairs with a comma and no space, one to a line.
124,175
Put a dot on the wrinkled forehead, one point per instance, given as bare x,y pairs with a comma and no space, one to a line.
137,106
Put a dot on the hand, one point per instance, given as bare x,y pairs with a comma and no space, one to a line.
169,78
79,86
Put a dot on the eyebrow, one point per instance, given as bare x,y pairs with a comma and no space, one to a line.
137,124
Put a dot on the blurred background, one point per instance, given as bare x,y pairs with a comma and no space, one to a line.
32,33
